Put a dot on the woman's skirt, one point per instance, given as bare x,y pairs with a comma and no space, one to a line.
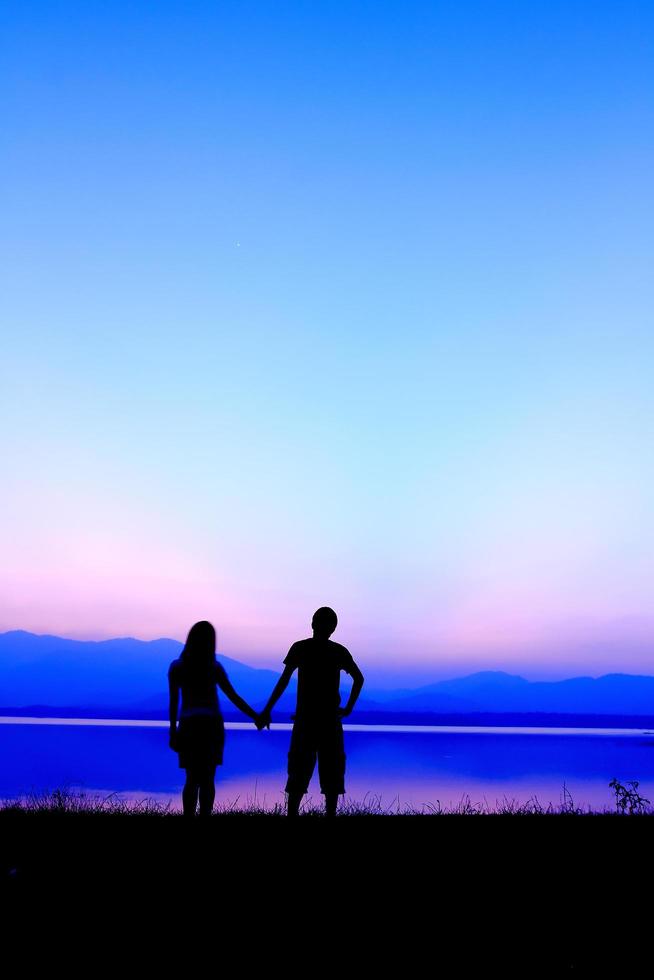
200,741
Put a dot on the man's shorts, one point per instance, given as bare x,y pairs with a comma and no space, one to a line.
323,740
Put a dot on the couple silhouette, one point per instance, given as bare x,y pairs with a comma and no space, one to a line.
197,731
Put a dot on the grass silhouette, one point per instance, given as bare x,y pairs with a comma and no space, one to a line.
627,802
430,884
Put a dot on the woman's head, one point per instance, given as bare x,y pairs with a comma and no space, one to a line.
200,648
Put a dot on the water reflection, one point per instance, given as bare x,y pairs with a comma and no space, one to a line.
415,769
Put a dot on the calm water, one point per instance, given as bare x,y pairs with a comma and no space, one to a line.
414,767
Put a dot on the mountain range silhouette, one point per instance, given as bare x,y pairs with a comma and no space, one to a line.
129,675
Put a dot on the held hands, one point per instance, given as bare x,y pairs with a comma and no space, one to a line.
262,720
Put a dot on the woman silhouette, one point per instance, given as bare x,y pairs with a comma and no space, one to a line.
200,737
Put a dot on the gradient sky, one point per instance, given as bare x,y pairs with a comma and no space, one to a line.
344,303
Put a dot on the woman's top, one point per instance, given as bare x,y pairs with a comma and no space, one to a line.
199,694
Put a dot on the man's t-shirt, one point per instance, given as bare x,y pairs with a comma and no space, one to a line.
319,664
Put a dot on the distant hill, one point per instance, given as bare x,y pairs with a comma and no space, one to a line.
129,676
121,673
500,692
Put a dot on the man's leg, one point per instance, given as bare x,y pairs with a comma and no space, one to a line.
331,766
293,801
301,763
331,802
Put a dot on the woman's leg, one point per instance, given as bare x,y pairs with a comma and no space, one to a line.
207,791
190,793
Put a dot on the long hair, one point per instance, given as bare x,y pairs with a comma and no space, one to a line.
199,653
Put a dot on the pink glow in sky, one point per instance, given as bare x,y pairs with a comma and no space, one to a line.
420,388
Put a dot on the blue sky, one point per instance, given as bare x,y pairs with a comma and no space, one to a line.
344,303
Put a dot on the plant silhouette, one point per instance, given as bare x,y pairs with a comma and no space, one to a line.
628,800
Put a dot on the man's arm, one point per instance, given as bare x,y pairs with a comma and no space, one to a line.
278,690
357,684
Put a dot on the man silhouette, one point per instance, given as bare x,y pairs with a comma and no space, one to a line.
318,727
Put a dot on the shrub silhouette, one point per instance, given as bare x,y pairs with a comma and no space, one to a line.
628,800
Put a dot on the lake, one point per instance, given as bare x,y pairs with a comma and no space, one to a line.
394,766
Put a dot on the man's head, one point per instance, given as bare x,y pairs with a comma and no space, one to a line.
324,622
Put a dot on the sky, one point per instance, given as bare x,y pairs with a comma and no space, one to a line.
344,304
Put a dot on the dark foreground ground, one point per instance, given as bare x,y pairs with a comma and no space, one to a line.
362,895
